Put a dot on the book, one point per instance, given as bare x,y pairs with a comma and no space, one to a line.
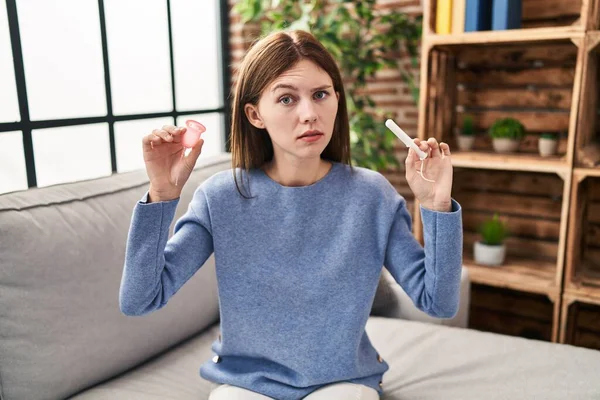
478,15
458,16
506,14
443,17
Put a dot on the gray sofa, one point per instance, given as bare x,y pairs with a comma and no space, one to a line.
62,334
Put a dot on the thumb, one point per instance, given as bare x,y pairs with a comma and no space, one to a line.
195,153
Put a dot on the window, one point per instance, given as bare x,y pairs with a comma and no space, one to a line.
84,80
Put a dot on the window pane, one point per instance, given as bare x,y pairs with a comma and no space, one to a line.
62,53
128,141
214,142
138,53
71,153
9,102
13,175
196,53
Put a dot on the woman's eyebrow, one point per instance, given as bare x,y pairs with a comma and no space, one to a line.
292,87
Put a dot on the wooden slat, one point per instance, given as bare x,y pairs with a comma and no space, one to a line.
532,207
532,121
518,226
512,302
588,317
510,162
593,189
520,56
552,76
505,324
589,339
534,36
529,144
550,9
555,98
519,247
592,235
524,183
523,274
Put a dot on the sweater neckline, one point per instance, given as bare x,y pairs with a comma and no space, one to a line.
334,167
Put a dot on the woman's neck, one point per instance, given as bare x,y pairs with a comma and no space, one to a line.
294,174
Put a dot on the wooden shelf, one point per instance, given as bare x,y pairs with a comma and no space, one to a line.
586,172
511,162
507,36
585,285
518,274
581,294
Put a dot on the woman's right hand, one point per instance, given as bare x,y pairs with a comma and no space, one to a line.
166,166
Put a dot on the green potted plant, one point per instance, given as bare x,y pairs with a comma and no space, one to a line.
466,136
506,134
547,144
491,250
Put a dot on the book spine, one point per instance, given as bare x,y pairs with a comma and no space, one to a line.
478,16
458,16
506,14
443,18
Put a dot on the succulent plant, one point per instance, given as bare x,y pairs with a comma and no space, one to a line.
493,231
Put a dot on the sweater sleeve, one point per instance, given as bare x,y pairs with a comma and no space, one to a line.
155,266
430,275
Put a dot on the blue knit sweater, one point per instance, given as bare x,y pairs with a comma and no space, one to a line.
297,270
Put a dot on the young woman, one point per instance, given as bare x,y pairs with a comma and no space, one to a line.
299,236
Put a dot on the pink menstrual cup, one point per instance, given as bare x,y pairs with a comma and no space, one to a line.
192,133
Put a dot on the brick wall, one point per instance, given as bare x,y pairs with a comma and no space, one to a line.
388,89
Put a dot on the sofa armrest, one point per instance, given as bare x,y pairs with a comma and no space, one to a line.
391,301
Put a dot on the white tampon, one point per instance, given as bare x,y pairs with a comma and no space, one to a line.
405,138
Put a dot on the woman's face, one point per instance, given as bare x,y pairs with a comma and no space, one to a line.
300,101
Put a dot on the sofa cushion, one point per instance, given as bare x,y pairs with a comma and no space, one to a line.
61,262
426,362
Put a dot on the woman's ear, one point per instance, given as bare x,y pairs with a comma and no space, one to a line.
337,95
253,116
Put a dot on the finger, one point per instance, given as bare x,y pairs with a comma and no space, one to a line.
445,148
412,159
171,129
166,136
435,147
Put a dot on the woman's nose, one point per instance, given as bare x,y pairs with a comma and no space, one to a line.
308,113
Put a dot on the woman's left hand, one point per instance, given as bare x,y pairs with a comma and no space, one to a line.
438,167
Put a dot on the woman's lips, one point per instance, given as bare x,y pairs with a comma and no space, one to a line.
312,138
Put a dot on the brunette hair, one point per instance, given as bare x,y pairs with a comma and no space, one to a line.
266,60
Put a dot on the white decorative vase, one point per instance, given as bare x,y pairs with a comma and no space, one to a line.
465,143
489,255
547,147
505,145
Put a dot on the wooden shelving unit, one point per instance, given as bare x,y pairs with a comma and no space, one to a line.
546,76
581,316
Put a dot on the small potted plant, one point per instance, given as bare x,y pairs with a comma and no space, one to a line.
506,134
491,250
547,144
466,137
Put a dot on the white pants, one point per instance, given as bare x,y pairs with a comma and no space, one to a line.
335,391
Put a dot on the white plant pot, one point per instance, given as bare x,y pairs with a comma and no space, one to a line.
465,143
489,255
547,147
504,145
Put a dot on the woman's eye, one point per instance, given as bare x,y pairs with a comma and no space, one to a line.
321,94
287,100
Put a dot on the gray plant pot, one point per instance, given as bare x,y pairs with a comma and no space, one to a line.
465,143
547,147
504,145
489,255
